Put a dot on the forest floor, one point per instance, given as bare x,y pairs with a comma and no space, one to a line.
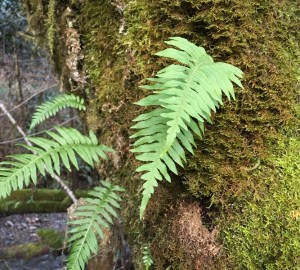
17,230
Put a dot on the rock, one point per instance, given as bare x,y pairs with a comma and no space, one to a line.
9,223
24,225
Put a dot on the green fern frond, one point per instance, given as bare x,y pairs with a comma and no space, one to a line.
52,107
147,258
184,94
63,147
95,214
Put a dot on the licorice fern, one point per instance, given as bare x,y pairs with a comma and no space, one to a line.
90,218
63,146
52,107
184,95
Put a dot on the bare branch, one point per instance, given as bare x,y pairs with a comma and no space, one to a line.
32,96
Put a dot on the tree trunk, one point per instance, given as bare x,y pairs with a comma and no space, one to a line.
104,50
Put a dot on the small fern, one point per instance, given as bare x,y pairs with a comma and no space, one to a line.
147,258
63,145
184,95
52,107
95,214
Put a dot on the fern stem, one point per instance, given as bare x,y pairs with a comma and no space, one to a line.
55,176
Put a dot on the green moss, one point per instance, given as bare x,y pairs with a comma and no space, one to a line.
37,201
38,194
51,238
264,232
17,207
51,25
25,251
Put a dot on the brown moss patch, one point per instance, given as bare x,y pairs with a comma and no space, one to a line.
193,236
186,242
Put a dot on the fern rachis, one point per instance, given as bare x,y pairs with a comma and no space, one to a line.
184,96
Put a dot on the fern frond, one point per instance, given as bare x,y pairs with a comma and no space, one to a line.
184,94
52,107
65,144
95,214
147,258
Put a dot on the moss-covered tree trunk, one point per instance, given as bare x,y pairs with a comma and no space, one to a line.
240,192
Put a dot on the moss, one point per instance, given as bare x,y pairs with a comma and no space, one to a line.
25,251
37,201
51,25
38,194
51,238
264,233
17,207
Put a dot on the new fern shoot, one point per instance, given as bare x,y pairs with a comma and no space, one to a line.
184,95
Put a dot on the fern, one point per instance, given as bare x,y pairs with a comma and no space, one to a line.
94,215
63,145
52,107
147,258
184,95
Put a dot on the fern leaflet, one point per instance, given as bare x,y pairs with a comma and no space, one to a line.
147,258
184,95
95,214
52,107
65,144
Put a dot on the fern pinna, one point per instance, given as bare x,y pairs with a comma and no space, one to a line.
63,146
147,258
89,220
184,95
52,107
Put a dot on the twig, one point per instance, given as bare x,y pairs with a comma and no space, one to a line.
5,262
40,132
56,177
